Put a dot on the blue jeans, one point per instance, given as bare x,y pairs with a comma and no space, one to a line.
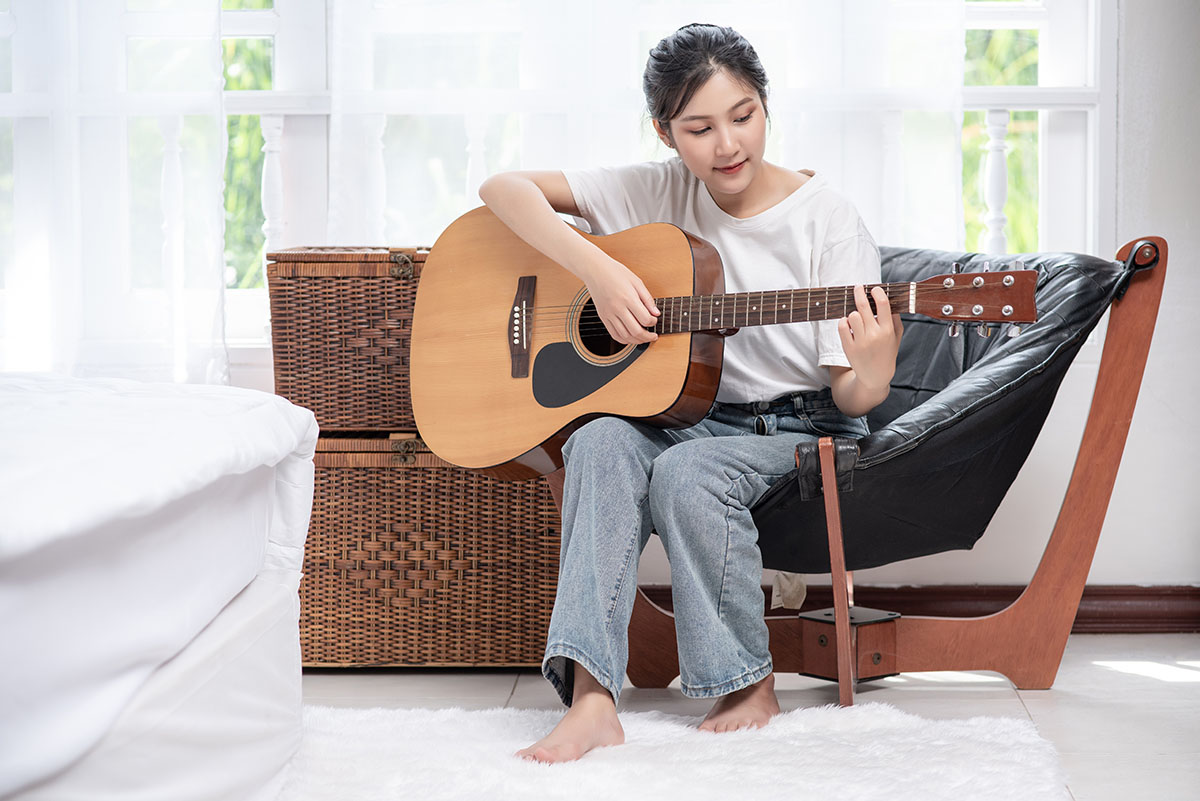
695,488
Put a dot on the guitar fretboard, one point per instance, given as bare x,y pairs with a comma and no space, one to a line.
741,309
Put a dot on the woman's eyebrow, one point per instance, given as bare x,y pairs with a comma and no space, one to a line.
733,108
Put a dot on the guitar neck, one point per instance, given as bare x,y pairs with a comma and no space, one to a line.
769,307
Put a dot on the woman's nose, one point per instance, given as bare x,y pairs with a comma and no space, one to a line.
725,142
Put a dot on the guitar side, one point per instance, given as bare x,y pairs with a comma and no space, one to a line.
469,407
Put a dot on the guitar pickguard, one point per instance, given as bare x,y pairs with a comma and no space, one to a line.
561,376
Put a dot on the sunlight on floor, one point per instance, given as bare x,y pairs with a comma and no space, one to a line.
1156,670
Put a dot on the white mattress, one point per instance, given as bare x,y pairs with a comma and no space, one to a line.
130,516
218,722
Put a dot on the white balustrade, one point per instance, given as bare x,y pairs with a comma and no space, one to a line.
995,187
171,187
274,223
375,191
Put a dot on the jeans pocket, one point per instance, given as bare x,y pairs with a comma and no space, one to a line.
833,423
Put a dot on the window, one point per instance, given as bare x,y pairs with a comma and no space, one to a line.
276,100
1039,80
1038,127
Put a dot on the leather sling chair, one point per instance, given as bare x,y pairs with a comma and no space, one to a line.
962,417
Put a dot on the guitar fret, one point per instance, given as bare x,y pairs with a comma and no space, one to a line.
688,313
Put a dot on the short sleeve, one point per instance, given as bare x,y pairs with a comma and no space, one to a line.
846,261
612,199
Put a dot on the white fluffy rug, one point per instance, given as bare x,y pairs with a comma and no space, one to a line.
870,751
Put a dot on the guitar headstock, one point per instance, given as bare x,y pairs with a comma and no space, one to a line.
1003,296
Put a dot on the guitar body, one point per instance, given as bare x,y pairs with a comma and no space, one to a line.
473,406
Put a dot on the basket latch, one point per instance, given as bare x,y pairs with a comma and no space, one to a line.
402,265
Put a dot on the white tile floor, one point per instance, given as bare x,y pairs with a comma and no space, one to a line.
1124,711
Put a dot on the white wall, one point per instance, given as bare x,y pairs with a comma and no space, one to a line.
1152,532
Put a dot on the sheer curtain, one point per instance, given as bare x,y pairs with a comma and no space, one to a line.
111,169
431,97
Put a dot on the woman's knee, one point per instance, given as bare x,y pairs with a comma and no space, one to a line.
685,472
604,435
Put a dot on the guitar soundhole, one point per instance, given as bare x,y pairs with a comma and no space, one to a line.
593,334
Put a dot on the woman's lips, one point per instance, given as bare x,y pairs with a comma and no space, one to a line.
733,169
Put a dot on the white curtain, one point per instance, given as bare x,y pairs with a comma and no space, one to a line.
112,147
431,97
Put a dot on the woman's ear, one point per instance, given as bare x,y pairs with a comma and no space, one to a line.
664,134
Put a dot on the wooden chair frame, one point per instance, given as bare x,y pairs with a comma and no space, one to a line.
1026,640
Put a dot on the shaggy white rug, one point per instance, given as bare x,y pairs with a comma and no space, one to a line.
870,751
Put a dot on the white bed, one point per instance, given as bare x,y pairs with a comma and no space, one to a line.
151,540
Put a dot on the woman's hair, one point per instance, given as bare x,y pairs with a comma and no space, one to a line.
682,62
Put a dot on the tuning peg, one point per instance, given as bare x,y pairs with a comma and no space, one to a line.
956,268
1018,265
1013,330
987,267
984,331
953,330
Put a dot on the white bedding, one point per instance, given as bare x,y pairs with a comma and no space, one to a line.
124,448
130,515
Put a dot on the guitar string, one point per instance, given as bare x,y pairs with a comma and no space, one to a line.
732,312
894,293
833,313
739,306
897,291
551,318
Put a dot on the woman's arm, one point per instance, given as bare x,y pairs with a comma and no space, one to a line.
871,343
527,203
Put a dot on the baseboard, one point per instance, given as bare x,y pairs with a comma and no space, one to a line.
1104,609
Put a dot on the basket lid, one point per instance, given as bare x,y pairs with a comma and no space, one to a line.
395,443
345,253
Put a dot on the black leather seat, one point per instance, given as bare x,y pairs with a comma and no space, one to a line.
961,419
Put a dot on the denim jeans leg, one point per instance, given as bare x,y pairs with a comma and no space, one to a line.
606,524
701,492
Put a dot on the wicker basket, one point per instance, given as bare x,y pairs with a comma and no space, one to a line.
411,561
341,321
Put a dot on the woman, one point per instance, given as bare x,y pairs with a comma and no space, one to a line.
774,229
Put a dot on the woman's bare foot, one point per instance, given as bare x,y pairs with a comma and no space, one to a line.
591,722
749,708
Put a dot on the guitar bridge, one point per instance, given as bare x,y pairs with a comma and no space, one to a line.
519,324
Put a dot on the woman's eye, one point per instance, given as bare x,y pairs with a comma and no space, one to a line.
746,118
701,131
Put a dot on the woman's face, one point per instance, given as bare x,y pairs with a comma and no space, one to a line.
721,135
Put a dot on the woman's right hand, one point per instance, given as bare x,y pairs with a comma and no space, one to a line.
624,304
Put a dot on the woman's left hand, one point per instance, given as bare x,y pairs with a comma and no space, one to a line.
871,341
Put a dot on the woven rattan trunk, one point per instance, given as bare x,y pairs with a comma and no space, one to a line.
411,561
341,321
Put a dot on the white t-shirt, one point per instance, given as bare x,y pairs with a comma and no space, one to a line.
813,237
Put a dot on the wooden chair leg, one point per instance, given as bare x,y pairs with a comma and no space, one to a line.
1026,641
840,580
653,655
555,482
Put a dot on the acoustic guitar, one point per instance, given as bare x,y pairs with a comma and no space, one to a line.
509,356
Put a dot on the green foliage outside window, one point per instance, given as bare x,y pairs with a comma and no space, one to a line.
247,67
244,237
1002,58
